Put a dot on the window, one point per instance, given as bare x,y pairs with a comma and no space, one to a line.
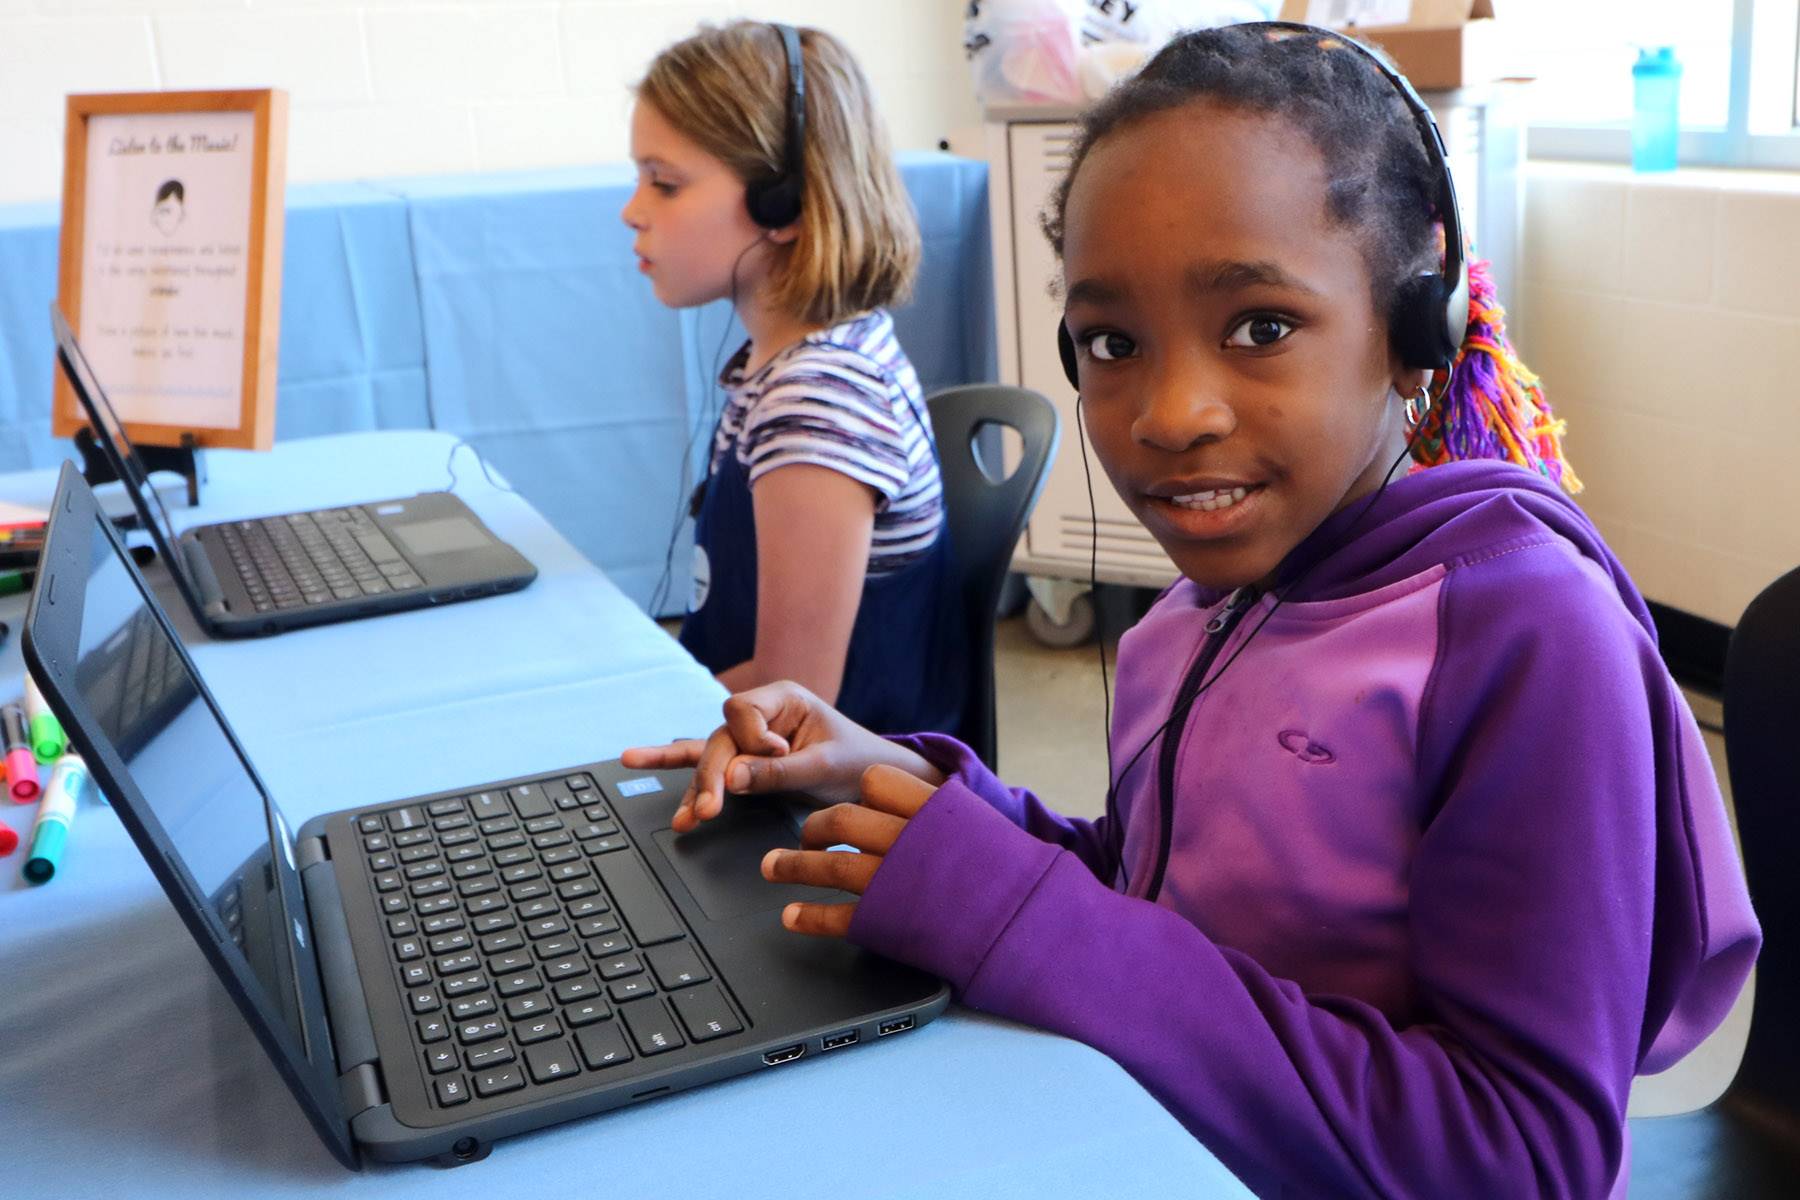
1740,104
1796,88
1583,52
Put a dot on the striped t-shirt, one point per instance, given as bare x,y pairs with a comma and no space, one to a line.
844,398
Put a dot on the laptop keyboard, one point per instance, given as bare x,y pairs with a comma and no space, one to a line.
530,942
303,559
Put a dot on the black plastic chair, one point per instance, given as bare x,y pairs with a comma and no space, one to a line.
1746,1144
986,515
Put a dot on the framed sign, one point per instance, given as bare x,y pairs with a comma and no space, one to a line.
172,213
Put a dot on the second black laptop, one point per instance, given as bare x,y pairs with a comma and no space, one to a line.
270,574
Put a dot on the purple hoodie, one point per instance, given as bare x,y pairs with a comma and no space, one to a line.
1449,864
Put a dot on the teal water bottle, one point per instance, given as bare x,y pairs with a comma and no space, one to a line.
1656,109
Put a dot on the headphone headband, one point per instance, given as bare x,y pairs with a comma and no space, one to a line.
774,203
1421,339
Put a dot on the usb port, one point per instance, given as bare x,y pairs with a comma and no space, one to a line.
847,1038
897,1025
785,1054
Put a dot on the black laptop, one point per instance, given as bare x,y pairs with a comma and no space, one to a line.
436,973
307,568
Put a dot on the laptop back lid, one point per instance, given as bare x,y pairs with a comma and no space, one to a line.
160,749
109,432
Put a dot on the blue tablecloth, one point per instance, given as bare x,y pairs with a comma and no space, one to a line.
27,285
352,346
126,1071
507,309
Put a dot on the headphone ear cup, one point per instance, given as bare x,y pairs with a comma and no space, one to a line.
773,203
1456,310
1420,323
1065,348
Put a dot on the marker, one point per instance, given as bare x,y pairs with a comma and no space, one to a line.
21,764
47,738
67,783
9,839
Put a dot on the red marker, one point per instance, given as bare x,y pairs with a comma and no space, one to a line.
9,839
21,763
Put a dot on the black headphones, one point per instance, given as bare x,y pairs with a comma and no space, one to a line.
1430,312
774,203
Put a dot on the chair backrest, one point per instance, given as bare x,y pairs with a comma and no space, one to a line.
986,516
1762,751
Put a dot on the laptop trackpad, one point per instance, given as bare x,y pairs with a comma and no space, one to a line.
437,535
721,862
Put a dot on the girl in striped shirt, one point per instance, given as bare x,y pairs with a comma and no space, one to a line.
765,177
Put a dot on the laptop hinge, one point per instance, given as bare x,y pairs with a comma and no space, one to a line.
310,851
361,1089
206,582
352,1033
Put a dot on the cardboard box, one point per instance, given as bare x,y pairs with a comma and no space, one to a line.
1438,44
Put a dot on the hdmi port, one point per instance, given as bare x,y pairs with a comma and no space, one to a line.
897,1025
785,1054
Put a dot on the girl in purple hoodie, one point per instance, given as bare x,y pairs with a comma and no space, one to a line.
1413,855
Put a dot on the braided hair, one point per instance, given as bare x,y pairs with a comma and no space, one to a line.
1380,183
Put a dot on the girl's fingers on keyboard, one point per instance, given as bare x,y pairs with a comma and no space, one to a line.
840,870
891,790
684,752
870,831
705,797
820,920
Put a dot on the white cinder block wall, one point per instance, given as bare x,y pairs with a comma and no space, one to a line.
1665,321
399,87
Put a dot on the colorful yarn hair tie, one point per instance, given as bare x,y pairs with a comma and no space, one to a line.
1493,407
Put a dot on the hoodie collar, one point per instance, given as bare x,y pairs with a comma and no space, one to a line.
1438,515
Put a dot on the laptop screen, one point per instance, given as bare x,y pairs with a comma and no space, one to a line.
137,686
109,431
166,759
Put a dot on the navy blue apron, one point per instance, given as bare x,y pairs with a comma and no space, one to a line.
905,671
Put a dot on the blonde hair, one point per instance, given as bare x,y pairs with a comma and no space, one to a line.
726,87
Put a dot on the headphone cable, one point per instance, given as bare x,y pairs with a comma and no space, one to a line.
683,498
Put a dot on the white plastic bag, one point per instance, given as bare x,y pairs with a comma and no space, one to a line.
1153,22
1023,51
1119,35
1067,51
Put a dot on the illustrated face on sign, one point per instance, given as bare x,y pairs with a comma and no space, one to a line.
170,207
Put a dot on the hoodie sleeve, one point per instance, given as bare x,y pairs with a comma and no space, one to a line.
1533,896
1086,840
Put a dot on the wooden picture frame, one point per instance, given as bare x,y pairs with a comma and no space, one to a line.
187,356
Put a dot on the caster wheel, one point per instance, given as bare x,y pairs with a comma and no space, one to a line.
1076,631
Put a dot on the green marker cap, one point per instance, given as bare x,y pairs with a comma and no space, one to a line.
48,741
46,851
